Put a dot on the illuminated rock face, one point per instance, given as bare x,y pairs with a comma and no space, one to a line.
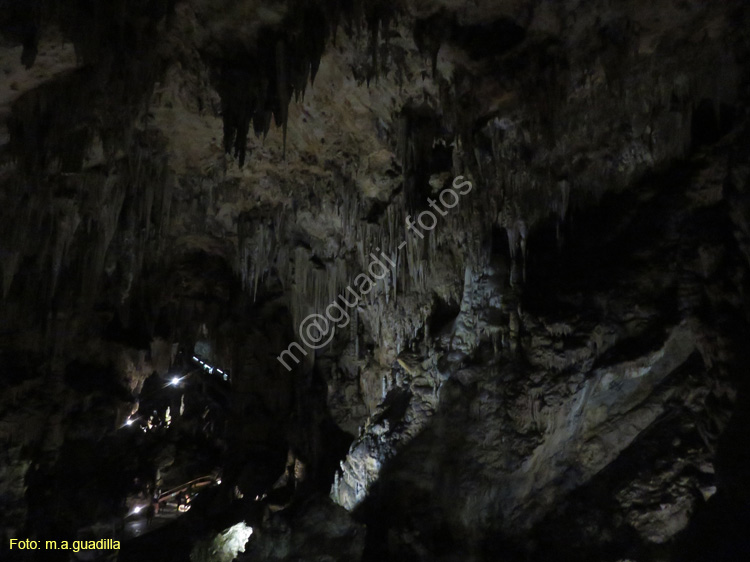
550,365
224,547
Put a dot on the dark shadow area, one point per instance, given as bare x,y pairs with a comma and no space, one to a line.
711,120
617,240
87,378
443,315
718,530
486,40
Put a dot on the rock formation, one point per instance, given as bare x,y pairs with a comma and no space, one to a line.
526,226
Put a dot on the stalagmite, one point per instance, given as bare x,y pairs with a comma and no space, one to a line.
522,234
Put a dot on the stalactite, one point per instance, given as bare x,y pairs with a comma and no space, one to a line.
354,331
282,91
254,90
374,26
565,193
432,248
523,234
66,229
512,241
396,258
258,251
10,262
336,484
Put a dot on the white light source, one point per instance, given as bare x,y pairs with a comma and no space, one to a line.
128,422
137,509
175,381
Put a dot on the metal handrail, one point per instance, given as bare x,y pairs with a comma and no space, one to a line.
174,491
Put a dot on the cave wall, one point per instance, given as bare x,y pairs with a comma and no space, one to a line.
557,360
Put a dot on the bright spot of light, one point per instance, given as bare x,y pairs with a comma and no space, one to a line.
128,422
137,509
175,381
226,377
226,545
